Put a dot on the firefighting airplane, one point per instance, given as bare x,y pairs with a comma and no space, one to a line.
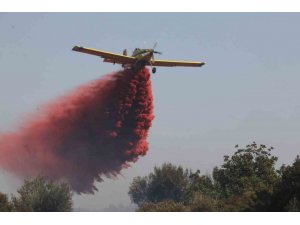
138,59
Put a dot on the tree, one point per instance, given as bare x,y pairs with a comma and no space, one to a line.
5,204
167,182
200,185
138,190
247,179
164,206
287,197
41,195
200,202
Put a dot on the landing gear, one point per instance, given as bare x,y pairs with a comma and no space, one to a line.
154,70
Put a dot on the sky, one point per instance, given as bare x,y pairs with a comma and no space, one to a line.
248,90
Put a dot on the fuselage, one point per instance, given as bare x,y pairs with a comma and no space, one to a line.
142,56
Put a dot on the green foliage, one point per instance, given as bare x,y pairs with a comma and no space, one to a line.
138,190
200,184
41,195
249,169
248,201
164,206
293,205
200,202
287,197
164,183
5,204
246,181
169,182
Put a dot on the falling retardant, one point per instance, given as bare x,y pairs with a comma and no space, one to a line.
93,132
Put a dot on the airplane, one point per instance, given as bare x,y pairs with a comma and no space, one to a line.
138,59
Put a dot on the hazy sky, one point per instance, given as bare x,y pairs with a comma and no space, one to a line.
248,91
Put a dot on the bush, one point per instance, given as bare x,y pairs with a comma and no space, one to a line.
41,195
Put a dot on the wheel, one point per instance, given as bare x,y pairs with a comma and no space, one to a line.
153,70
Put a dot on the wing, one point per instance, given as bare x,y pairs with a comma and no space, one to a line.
176,63
108,56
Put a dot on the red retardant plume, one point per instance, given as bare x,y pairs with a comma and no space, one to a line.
93,132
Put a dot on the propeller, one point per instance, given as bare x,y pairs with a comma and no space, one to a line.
152,56
154,48
156,52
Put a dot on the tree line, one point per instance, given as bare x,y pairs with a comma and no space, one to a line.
246,181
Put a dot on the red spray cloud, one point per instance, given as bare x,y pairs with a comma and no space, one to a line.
95,131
